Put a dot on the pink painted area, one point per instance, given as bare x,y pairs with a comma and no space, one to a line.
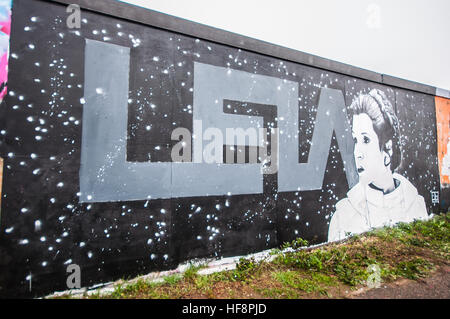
5,27
4,68
3,73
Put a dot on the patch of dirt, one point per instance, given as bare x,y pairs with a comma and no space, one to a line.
435,286
235,290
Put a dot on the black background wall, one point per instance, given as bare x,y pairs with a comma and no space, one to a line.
44,227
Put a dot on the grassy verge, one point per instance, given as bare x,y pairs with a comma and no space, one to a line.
405,251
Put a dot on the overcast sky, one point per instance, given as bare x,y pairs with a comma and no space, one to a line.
404,38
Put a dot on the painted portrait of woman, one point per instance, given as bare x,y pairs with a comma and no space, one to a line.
381,197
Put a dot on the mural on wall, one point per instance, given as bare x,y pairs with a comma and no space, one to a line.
89,175
443,148
5,28
381,197
104,145
443,134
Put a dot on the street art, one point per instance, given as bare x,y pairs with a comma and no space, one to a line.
381,197
443,135
443,148
106,176
5,29
93,115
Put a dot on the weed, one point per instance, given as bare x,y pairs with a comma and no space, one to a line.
220,276
298,281
118,292
324,279
413,269
173,279
202,282
295,244
191,272
294,280
245,269
351,273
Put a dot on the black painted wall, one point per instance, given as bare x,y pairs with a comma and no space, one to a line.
44,227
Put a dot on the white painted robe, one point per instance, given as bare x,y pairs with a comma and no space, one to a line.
366,208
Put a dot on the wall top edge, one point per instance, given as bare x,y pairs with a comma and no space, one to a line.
442,93
182,26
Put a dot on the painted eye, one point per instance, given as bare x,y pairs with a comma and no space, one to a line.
366,140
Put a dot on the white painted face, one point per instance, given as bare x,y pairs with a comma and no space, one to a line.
369,158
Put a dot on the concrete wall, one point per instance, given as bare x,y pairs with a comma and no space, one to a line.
89,174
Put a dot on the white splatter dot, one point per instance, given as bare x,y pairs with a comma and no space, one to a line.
68,261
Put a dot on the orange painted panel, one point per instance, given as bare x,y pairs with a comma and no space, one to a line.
443,135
